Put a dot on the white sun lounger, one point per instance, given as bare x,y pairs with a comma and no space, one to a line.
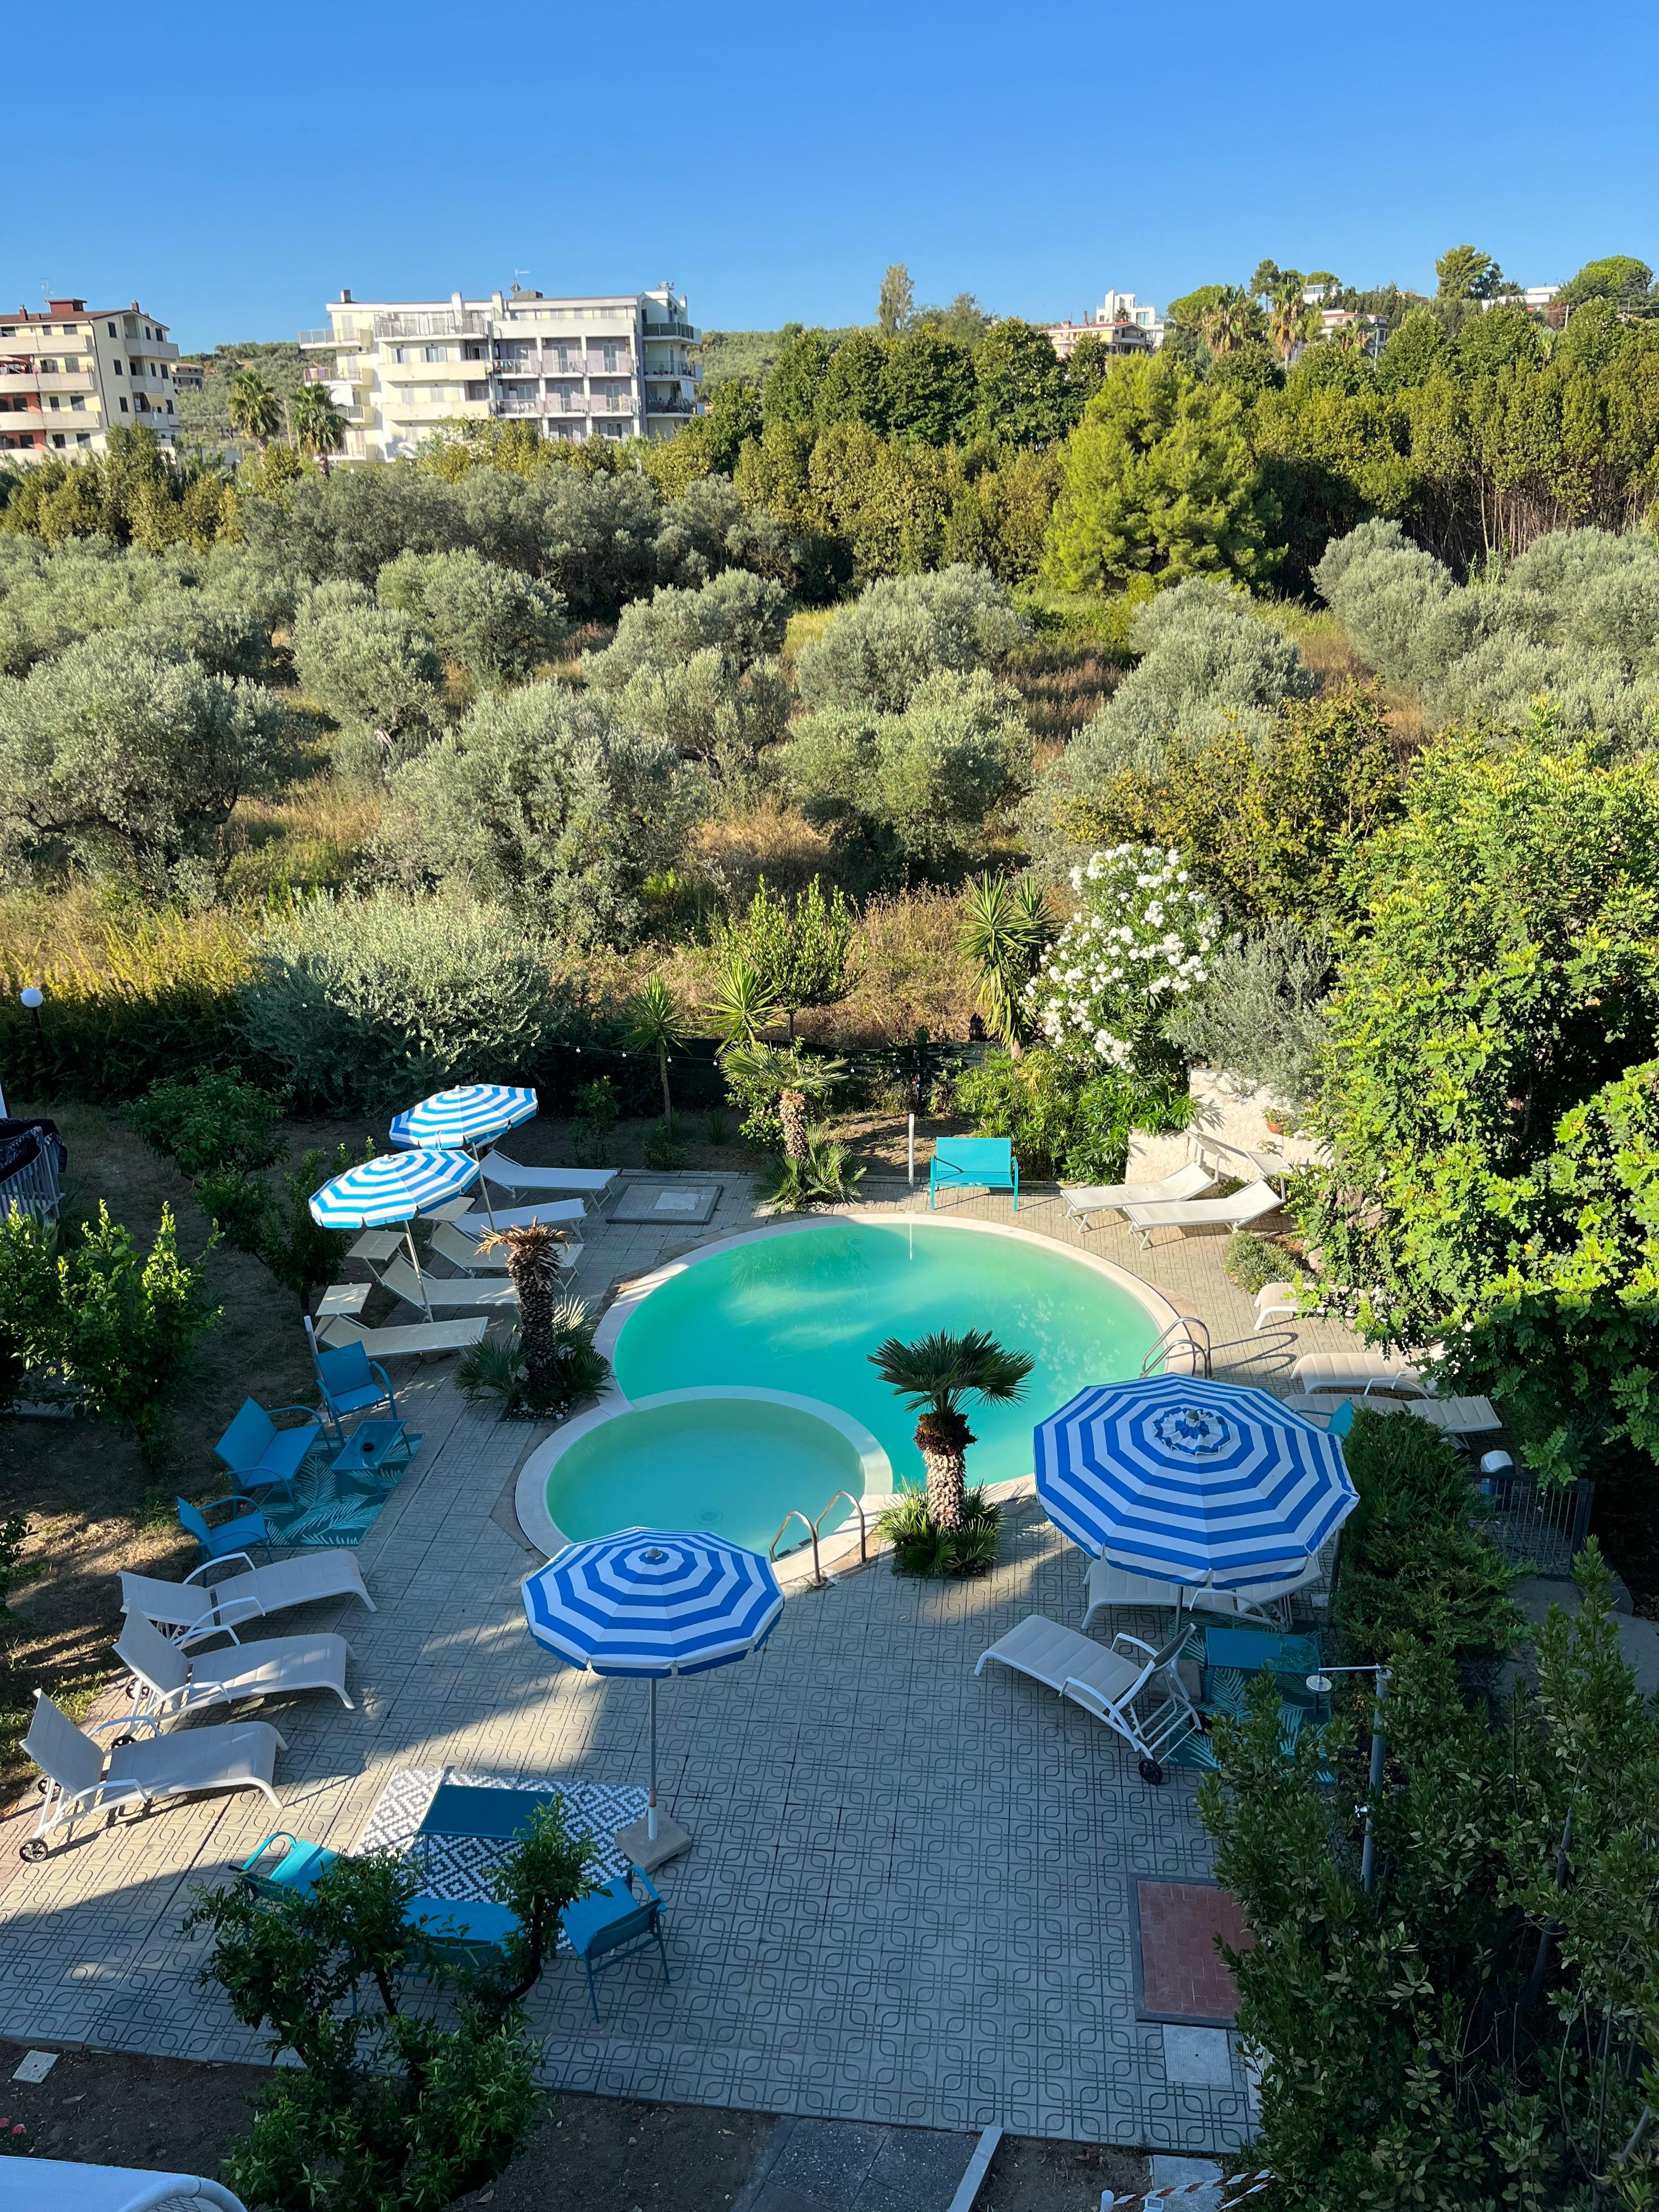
81,1780
1106,1587
1237,1212
555,1212
431,1295
197,1608
1106,1683
417,1340
1453,1416
513,1175
1357,1370
168,1682
1083,1200
462,1251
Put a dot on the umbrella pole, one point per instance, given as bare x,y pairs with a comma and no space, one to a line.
651,1802
414,1260
483,1185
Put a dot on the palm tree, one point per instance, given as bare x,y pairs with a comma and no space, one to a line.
316,424
1005,925
1293,323
255,409
656,1024
936,1373
792,1078
1225,325
533,1267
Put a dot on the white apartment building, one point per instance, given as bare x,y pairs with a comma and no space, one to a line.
69,374
1122,323
612,366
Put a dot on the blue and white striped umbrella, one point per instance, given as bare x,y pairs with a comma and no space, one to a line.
653,1602
1191,1481
464,1115
393,1187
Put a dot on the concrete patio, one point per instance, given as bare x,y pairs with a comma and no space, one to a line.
912,1892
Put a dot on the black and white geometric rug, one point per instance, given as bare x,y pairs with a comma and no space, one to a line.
462,1868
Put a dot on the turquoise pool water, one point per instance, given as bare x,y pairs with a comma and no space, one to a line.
734,1465
803,1312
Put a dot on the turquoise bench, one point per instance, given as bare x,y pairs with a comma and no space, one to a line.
987,1160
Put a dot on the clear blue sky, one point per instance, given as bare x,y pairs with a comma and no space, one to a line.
234,167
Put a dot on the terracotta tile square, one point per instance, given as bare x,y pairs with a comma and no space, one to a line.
1181,1974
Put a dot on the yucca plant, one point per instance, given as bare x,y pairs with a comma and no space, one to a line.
822,1176
1005,926
920,1546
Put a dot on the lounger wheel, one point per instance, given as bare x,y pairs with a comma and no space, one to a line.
1152,1770
43,1784
122,1742
32,1851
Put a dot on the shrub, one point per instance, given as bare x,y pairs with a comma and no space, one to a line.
1261,1014
211,1121
1253,1261
1061,1119
364,1003
1416,1562
373,671
130,1322
544,801
824,1176
493,1371
921,1547
598,1108
495,622
904,629
740,616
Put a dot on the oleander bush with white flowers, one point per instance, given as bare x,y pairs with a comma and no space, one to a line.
1139,942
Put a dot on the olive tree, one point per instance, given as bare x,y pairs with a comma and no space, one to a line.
904,629
547,801
497,622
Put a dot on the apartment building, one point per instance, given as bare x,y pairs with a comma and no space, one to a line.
1121,323
70,374
610,366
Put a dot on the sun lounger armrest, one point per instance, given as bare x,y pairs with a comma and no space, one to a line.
127,1721
1085,1694
223,1560
1124,1637
200,1630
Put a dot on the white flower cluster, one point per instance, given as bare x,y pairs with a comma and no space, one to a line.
1139,933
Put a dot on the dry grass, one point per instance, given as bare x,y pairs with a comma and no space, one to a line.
1325,644
806,624
1061,684
913,975
771,840
308,837
77,943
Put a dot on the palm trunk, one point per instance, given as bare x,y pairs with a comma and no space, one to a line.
792,1112
942,1440
662,1067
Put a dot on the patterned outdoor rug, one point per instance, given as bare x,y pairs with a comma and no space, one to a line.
462,1868
329,1512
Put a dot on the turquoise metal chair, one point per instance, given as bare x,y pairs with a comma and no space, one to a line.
612,1924
349,1382
261,1455
471,1931
230,1535
987,1160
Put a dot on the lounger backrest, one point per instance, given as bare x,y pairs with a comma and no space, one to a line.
243,1443
179,1606
401,1279
141,1647
62,1750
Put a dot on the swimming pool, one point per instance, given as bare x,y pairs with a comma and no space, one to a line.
799,1309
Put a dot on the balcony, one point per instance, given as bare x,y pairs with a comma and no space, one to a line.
687,331
676,405
443,322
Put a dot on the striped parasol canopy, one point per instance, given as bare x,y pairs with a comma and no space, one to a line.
1192,1481
465,1116
390,1188
652,1602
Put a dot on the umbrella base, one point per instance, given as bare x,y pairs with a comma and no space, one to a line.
671,1840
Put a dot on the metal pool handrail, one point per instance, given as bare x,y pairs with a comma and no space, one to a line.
1187,1334
813,1527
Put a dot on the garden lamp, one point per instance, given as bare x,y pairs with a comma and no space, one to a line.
1319,1684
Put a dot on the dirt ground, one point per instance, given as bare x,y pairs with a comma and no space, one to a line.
589,2154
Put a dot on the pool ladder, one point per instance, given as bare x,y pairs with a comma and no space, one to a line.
814,1528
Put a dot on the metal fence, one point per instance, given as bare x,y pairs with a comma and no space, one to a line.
1541,1525
35,1188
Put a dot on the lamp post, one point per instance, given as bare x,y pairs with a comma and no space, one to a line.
34,997
1319,1684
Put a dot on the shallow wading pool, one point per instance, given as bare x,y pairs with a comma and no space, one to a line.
787,1318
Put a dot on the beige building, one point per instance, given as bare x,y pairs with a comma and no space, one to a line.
69,374
1121,324
610,366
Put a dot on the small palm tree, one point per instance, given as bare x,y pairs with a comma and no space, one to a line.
655,1024
255,410
937,1373
791,1077
533,1267
316,424
1005,925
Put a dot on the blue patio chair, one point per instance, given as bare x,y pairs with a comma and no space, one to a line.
612,1924
349,1382
230,1535
261,1455
987,1160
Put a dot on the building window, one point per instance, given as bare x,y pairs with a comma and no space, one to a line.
58,438
77,405
117,369
83,437
169,407
436,353
124,406
112,329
